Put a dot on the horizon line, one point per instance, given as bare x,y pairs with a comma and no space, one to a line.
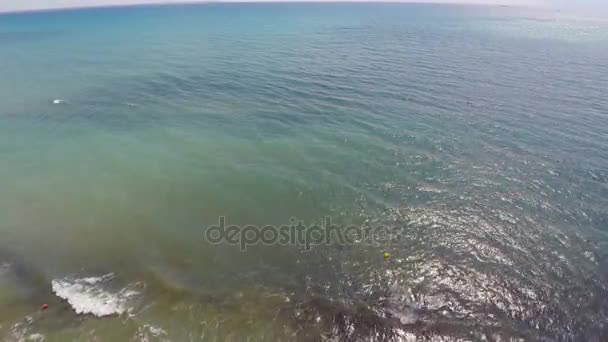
208,2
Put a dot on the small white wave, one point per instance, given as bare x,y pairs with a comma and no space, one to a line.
149,332
91,295
20,330
36,337
58,101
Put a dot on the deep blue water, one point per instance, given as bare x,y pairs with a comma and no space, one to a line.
477,137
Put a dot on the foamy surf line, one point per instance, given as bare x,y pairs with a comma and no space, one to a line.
94,295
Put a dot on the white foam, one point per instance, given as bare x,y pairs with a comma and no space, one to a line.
36,337
156,331
149,332
58,101
91,296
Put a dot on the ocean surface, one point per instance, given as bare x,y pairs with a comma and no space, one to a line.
474,139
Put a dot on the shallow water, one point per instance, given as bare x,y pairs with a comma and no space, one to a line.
475,137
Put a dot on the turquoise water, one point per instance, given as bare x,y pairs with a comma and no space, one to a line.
477,137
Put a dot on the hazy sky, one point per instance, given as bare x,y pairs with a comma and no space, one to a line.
16,5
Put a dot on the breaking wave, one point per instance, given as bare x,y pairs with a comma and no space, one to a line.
95,295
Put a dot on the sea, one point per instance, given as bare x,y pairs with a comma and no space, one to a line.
303,172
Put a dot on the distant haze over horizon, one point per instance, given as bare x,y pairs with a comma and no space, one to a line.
26,5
